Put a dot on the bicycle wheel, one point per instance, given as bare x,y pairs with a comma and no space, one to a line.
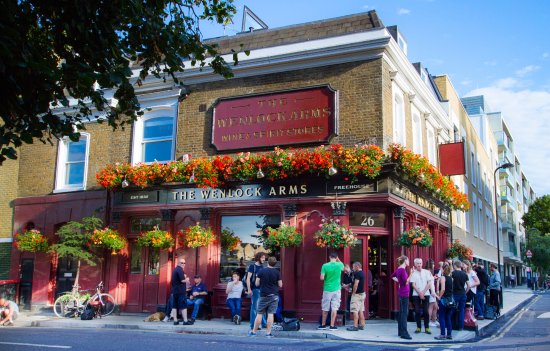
106,305
66,306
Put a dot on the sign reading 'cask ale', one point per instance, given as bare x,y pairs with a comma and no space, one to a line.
295,117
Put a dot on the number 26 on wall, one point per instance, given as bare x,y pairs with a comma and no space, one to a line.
367,222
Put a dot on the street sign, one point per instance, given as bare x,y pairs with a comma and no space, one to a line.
529,254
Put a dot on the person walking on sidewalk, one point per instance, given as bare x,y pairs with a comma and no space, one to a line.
253,289
357,305
331,273
269,281
422,281
494,288
460,284
179,290
445,288
234,290
401,277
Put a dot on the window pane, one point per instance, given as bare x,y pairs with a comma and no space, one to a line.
158,128
248,229
75,174
135,259
144,224
76,151
160,151
154,261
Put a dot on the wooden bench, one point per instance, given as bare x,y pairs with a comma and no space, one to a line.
205,311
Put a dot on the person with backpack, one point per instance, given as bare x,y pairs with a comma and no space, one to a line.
254,291
446,302
460,285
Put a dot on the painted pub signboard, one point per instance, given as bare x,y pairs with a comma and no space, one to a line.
292,117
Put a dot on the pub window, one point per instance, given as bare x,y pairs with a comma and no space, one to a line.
153,265
143,224
135,260
248,229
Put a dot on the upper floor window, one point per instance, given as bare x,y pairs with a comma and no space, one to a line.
417,133
154,137
432,154
398,119
72,164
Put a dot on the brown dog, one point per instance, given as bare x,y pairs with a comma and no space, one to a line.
155,317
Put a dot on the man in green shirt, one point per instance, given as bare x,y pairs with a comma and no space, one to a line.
331,273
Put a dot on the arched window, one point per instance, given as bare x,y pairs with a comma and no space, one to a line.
154,137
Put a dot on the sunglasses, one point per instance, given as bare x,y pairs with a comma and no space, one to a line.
182,262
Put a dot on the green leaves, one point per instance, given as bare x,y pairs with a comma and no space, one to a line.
52,50
538,215
74,238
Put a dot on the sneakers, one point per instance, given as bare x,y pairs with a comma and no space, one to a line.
176,322
333,328
251,334
239,320
322,327
352,328
449,337
8,324
427,331
235,319
189,322
361,327
269,336
441,337
166,319
434,324
406,337
417,331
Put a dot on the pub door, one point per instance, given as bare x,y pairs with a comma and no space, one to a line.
379,265
359,253
143,279
25,283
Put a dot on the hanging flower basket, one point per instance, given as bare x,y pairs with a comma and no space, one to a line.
31,241
156,238
460,251
108,238
334,235
284,236
229,240
196,236
416,236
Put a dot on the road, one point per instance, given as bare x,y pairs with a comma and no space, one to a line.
528,330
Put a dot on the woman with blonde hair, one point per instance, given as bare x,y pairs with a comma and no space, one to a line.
401,277
473,282
432,307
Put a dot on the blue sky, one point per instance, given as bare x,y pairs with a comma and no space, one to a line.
498,48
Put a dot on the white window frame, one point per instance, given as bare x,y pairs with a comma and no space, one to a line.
137,145
467,213
430,136
475,215
417,131
399,120
61,169
480,215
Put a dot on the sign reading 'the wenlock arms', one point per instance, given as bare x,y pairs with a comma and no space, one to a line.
304,116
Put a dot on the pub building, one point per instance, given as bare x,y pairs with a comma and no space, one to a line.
341,81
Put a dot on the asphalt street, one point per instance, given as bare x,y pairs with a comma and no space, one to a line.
527,330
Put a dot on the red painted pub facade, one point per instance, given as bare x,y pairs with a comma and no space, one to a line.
297,107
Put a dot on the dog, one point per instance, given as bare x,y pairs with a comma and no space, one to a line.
155,317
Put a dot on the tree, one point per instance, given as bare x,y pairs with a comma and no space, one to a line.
73,242
58,58
538,215
539,245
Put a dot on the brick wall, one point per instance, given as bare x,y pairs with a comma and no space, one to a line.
9,172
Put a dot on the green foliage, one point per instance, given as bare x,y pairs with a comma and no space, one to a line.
55,54
74,237
538,215
283,236
539,244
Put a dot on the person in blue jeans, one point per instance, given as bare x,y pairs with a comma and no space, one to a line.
197,296
234,291
479,308
445,289
253,290
460,281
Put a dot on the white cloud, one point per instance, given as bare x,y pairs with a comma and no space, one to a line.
505,83
545,55
527,114
403,11
522,72
466,82
366,7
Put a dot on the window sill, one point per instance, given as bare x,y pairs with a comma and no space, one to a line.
68,190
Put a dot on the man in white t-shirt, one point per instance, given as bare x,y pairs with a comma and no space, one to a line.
10,312
422,281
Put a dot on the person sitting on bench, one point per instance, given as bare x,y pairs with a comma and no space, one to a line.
198,293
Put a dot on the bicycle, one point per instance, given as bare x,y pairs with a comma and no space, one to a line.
72,303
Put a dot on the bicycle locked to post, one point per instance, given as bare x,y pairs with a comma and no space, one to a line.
73,303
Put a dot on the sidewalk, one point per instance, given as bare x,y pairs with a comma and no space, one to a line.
376,330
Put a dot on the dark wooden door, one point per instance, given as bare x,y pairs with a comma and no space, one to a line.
143,279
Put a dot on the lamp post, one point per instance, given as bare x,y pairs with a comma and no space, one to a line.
503,166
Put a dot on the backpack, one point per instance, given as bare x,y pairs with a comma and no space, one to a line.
88,314
291,324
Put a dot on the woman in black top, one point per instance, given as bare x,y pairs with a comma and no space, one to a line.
445,292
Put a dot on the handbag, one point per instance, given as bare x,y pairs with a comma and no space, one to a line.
448,302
